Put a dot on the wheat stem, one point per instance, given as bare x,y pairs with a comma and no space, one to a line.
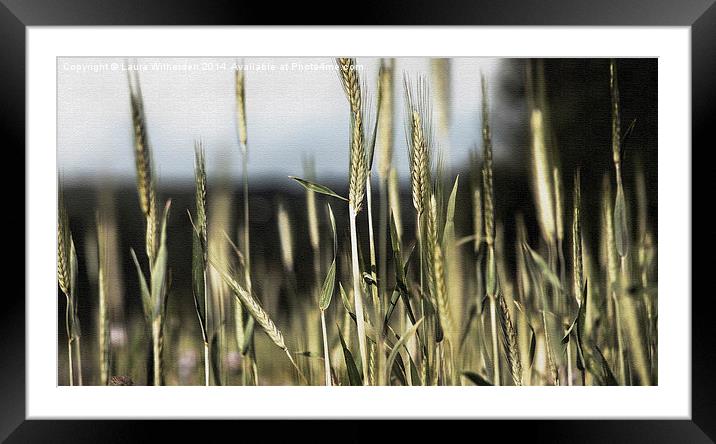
569,363
495,347
326,354
377,305
69,359
358,295
157,350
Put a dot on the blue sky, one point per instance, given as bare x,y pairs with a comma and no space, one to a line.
291,113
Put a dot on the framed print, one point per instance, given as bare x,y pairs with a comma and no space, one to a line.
359,222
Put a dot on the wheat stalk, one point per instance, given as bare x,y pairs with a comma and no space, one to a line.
356,190
621,229
419,141
154,301
200,247
243,143
66,277
622,235
612,275
489,224
578,275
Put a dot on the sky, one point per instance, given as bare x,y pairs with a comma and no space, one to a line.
295,108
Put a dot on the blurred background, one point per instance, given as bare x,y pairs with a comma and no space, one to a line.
297,119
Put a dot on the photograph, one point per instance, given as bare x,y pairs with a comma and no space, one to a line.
357,221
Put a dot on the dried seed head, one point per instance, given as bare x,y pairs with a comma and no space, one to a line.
436,268
151,233
487,184
616,125
351,82
142,151
144,165
418,163
488,193
200,191
577,263
121,380
358,166
241,108
542,176
509,342
63,249
248,301
419,141
489,213
358,169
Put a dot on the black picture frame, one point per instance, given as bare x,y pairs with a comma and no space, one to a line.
16,15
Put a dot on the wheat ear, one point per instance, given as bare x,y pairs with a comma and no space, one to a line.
66,276
436,266
358,166
241,108
144,167
419,135
509,336
258,313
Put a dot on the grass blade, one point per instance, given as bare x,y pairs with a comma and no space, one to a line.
312,186
354,375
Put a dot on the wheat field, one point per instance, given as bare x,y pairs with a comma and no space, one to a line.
468,275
